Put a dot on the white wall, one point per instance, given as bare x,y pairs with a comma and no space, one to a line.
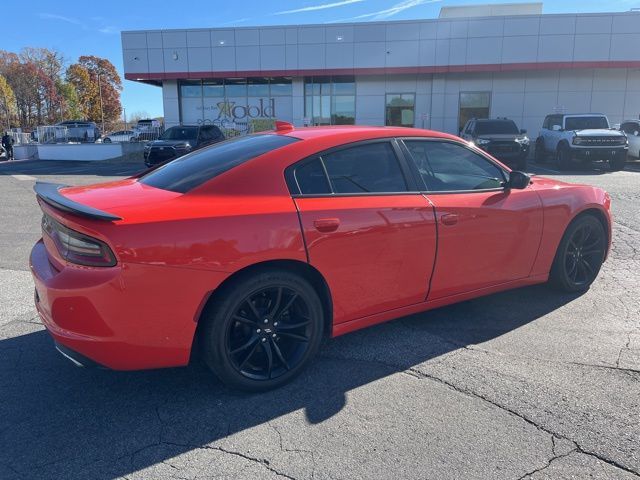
519,39
525,97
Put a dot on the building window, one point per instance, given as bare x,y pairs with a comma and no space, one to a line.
191,89
473,105
330,100
400,109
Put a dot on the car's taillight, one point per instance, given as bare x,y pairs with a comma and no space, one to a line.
75,247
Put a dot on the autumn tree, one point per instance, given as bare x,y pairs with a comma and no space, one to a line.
7,104
98,85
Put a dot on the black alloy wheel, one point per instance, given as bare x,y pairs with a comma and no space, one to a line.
580,255
264,331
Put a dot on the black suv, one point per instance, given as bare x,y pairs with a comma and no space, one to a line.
499,137
178,141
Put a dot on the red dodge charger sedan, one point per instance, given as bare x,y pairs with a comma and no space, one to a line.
256,248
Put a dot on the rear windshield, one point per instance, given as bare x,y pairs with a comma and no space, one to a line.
582,123
189,171
496,127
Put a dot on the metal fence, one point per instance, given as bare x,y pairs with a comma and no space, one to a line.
51,134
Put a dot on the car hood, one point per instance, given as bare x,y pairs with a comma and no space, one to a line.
599,132
122,198
501,136
170,143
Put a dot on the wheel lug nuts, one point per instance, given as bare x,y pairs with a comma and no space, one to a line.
264,340
258,331
275,324
266,320
274,335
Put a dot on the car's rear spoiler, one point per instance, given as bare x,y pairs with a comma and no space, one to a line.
49,193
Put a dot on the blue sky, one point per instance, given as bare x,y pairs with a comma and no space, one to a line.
92,28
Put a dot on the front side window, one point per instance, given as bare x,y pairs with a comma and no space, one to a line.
400,109
193,169
446,166
371,167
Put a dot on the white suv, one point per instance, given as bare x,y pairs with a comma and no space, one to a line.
631,128
581,138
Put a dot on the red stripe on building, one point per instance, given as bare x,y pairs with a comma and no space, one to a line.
490,67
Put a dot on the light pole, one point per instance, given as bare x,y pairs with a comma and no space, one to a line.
101,109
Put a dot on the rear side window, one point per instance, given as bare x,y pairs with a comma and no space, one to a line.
371,167
311,178
190,171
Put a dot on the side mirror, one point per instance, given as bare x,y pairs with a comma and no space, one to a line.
518,180
636,133
556,128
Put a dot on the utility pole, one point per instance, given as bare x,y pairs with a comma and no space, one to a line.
124,114
101,109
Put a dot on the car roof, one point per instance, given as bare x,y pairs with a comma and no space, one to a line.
358,132
581,114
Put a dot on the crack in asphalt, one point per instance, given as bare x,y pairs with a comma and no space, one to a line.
548,463
294,450
261,461
413,372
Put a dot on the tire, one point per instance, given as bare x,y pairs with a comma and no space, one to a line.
540,154
262,330
106,140
618,163
521,165
579,255
563,158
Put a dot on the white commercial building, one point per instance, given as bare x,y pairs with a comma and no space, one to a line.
424,73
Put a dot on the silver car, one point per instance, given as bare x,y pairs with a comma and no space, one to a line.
631,128
119,136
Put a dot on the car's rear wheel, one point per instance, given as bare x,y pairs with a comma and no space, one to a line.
540,154
106,140
563,158
580,255
262,330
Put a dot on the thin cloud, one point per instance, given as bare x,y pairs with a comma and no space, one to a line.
108,30
62,18
390,12
237,20
313,8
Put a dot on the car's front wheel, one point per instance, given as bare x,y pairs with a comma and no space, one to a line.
618,163
262,330
579,255
106,140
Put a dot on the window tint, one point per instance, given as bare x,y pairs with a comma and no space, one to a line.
372,167
446,166
193,169
488,127
582,123
311,178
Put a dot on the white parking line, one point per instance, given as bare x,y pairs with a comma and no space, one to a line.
23,177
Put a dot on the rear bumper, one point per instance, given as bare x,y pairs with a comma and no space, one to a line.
128,317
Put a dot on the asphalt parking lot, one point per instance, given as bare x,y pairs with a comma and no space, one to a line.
523,384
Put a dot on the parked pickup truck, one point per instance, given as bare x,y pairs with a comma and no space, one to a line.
579,139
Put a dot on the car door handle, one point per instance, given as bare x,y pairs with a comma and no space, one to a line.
326,225
449,219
